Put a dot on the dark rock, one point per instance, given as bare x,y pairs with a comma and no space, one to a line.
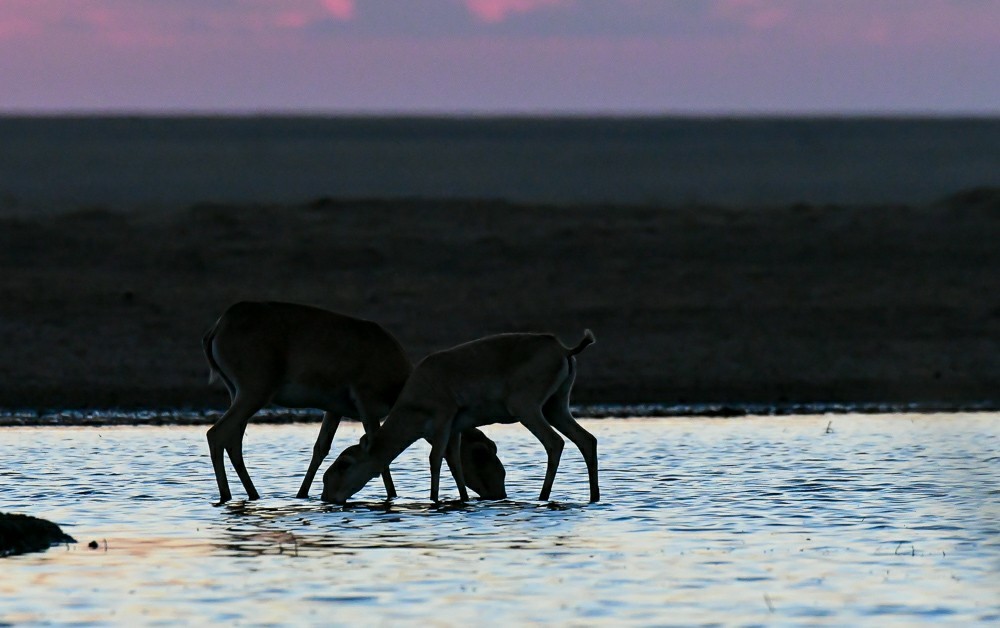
21,533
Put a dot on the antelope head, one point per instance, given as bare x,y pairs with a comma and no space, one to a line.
484,473
349,473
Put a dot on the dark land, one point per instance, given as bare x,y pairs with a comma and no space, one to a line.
22,533
49,164
689,304
729,298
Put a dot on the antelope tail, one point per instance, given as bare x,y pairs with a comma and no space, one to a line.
588,339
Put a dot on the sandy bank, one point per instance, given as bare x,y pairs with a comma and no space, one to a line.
106,308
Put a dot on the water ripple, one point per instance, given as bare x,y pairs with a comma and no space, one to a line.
759,520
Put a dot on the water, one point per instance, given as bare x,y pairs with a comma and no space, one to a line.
877,519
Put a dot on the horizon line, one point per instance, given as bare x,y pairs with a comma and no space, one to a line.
541,114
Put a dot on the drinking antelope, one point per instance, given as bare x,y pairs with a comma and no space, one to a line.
506,378
299,356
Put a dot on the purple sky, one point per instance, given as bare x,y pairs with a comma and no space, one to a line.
496,56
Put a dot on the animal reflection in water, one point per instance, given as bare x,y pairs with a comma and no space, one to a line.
507,378
299,356
300,528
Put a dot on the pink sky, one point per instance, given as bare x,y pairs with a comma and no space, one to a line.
496,56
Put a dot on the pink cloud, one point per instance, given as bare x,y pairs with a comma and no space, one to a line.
340,9
300,15
119,23
19,18
92,24
14,27
493,11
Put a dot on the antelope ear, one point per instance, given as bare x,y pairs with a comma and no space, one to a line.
343,461
365,443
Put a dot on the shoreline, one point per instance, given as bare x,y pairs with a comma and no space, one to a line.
277,416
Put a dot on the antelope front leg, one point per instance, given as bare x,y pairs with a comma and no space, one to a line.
438,448
454,458
320,450
371,426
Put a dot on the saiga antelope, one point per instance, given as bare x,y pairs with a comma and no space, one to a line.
506,378
299,356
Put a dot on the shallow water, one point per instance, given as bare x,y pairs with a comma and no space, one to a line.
880,519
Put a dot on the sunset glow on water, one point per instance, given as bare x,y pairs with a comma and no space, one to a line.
777,520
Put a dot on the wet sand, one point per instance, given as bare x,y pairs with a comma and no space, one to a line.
105,307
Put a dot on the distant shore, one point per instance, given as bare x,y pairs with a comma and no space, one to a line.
691,304
51,163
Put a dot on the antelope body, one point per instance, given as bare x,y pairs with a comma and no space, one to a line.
299,356
507,378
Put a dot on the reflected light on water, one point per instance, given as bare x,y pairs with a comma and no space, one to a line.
878,519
